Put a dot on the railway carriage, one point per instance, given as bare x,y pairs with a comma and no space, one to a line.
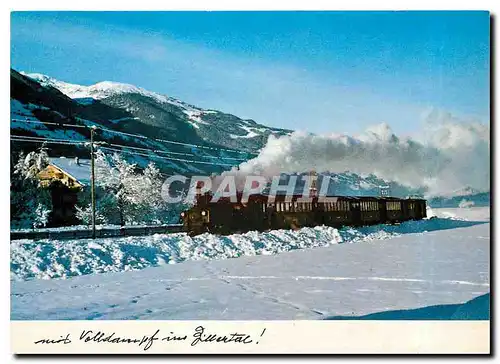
262,212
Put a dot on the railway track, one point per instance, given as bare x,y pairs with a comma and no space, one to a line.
100,233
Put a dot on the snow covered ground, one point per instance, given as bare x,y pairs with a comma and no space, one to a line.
434,262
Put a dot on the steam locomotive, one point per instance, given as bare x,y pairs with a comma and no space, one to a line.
262,212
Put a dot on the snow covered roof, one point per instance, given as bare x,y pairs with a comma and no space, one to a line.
80,171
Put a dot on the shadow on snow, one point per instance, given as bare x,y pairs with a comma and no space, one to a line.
417,226
475,309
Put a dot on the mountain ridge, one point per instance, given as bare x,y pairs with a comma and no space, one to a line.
130,109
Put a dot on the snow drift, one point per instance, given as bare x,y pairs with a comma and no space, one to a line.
449,155
47,259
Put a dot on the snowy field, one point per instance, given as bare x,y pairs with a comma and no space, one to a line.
309,274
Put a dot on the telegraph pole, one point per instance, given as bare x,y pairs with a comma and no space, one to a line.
92,178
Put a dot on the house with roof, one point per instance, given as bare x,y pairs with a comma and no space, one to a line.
73,173
65,177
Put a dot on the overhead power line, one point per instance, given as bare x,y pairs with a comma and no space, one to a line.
166,158
63,142
137,136
176,143
177,153
50,123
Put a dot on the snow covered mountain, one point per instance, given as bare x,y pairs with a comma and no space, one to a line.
166,112
130,109
39,109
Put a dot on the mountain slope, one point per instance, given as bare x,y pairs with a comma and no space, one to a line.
42,111
121,108
170,116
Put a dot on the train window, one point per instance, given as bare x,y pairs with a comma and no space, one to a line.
393,206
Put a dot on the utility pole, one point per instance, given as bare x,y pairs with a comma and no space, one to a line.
92,178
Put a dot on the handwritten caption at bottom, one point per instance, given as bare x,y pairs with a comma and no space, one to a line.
199,336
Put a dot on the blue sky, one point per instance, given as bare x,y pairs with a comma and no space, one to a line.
323,72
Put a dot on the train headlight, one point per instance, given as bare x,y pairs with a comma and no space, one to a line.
183,214
203,213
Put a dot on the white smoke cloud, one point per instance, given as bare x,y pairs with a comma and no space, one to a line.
449,155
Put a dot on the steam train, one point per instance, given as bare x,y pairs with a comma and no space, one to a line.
261,212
